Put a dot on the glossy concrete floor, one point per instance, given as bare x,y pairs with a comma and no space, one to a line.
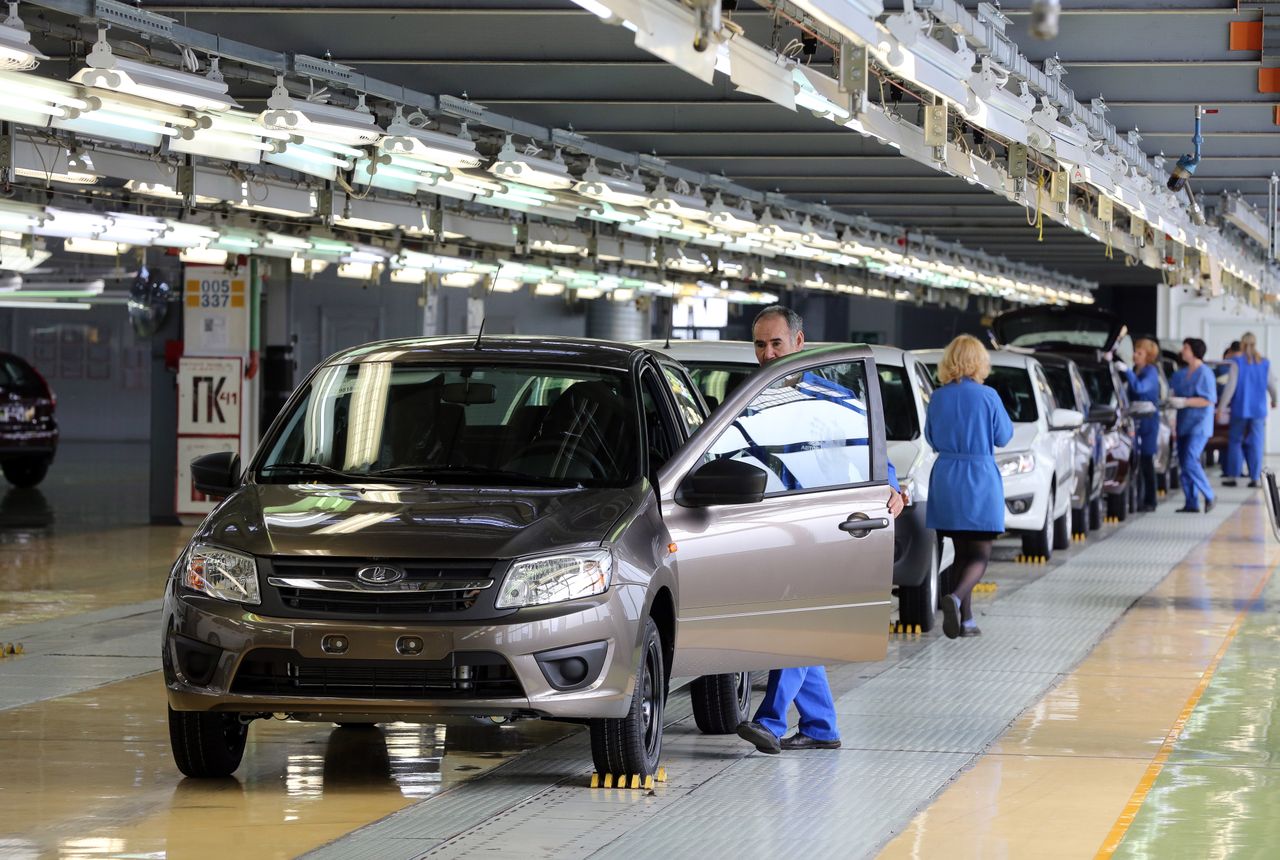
1163,742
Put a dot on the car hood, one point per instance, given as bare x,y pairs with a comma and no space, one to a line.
399,521
1024,437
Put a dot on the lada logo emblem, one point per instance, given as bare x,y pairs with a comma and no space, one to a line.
379,575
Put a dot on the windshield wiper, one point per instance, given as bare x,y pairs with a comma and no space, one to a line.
321,470
475,472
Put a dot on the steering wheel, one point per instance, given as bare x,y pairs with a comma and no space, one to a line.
545,447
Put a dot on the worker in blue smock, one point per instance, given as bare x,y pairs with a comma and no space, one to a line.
1248,412
1144,384
1194,395
779,331
966,422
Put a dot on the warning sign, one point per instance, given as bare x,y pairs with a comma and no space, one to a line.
210,396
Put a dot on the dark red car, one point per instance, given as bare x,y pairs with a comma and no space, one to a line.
28,431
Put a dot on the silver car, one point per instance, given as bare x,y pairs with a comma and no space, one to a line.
539,527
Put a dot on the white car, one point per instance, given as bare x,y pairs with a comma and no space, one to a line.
718,367
1038,464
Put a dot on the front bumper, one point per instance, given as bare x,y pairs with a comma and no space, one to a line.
1029,485
320,684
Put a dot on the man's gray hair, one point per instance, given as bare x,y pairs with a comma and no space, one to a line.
794,321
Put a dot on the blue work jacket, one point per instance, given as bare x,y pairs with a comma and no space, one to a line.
965,424
1251,397
1145,385
1195,420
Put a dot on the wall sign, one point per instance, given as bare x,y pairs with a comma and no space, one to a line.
216,313
210,396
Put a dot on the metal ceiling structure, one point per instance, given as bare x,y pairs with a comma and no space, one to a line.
555,64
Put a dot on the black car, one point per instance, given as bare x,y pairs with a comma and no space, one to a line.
1071,392
28,431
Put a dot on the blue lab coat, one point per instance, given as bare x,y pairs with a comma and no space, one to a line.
1145,385
965,424
1251,397
1195,420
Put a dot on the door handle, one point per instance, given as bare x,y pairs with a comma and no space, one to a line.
859,525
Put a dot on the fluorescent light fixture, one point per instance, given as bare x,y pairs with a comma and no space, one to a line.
735,220
203,256
778,227
307,266
311,160
178,234
622,295
409,276
359,271
14,258
589,293
681,203
68,177
404,139
47,306
461,279
760,72
506,285
666,30
274,198
16,52
169,86
329,122
616,190
548,288
816,92
529,168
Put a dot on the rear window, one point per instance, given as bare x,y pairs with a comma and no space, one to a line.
18,377
1013,384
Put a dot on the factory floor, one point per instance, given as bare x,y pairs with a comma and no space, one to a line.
1122,701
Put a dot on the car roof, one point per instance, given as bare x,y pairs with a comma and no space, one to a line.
507,348
744,352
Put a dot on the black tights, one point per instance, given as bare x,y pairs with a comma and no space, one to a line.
972,557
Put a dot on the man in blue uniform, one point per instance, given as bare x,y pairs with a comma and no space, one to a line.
1194,396
778,331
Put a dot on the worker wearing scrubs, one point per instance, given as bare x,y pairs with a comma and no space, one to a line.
966,422
1144,384
779,331
1254,390
1194,395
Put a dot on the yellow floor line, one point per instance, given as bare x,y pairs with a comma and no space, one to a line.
1130,811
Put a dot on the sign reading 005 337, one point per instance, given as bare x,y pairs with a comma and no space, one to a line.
216,310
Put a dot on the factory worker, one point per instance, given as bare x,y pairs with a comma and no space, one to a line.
1254,390
1144,384
1194,395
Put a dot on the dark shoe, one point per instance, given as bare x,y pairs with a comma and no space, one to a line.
763,739
971,630
1208,505
800,741
1147,509
1230,482
1253,485
951,616
1188,510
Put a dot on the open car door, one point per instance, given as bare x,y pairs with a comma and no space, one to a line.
778,508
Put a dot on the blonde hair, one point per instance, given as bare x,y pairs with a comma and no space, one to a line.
1249,347
1149,347
964,358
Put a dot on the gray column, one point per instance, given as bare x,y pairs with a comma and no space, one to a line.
622,321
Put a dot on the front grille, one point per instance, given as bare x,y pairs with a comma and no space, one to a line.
285,672
451,587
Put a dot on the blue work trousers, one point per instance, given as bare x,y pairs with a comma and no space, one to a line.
1195,482
1246,437
808,688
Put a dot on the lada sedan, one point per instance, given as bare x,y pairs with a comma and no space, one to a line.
529,527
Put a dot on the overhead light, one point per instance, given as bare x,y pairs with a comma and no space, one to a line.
506,285
739,220
404,139
178,234
308,266
409,276
16,52
816,92
778,227
460,279
342,125
14,258
203,256
359,271
311,160
622,295
589,293
169,86
14,304
548,288
530,168
69,177
681,203
617,190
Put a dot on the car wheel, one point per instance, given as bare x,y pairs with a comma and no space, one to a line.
721,702
918,604
1062,531
632,745
1040,544
26,471
1117,506
207,743
1095,513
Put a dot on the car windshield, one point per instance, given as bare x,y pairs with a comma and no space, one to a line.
1060,382
1097,379
17,377
516,425
1013,384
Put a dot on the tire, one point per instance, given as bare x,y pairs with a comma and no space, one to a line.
1040,544
632,745
1080,520
918,604
1117,506
721,702
25,472
1062,530
1095,513
207,743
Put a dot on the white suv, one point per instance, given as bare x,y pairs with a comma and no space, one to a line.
718,367
1038,464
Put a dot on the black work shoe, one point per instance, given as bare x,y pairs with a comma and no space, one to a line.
800,741
1208,505
763,739
1188,510
1253,485
1230,482
951,616
970,630
1147,509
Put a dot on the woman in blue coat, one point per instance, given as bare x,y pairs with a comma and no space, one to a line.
1144,384
1194,394
965,424
1254,390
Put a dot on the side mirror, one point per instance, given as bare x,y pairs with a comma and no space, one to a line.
1271,495
1142,408
723,482
1065,419
216,475
1101,413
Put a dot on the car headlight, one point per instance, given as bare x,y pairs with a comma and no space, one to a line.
556,578
1016,464
221,573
